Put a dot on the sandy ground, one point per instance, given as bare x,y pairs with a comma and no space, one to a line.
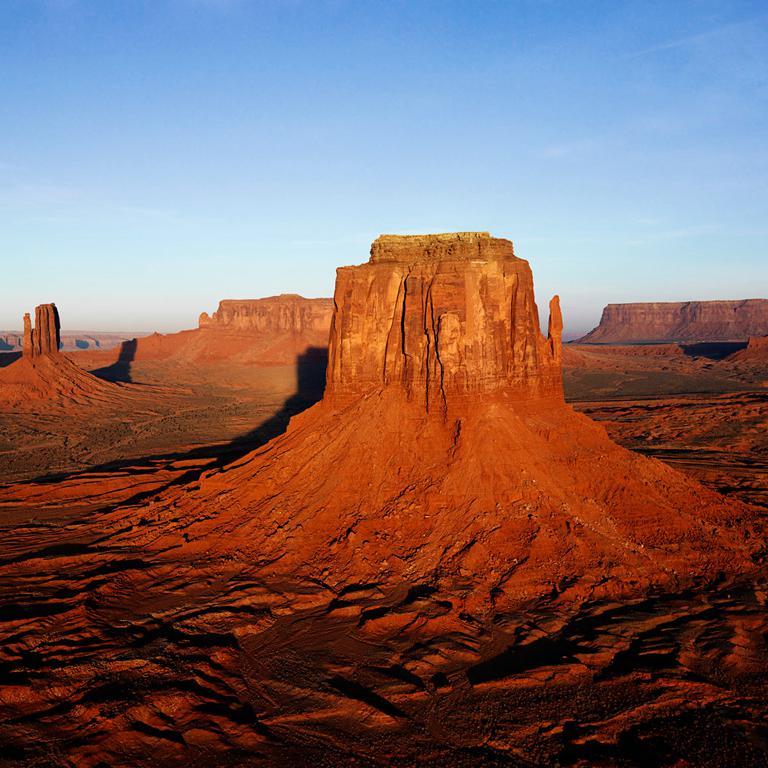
112,656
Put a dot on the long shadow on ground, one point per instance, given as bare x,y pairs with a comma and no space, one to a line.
6,358
310,386
120,370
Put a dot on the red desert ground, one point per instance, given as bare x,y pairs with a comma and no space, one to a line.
403,526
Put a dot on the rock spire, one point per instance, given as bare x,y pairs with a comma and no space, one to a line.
45,337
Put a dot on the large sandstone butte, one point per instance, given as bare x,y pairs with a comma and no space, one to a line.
44,338
443,450
681,321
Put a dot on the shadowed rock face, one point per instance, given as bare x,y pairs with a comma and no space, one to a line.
44,338
441,317
681,321
288,312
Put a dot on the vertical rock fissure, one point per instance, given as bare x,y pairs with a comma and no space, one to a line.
404,374
426,299
436,335
399,307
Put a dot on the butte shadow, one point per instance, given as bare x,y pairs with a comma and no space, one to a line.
120,370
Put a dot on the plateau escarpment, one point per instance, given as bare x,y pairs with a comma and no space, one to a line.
681,321
287,313
272,331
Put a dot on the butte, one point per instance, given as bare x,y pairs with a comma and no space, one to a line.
443,454
43,375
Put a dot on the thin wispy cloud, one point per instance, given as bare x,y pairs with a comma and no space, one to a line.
682,233
695,39
45,200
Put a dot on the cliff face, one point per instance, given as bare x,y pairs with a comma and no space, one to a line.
755,352
441,317
681,321
44,338
286,313
263,332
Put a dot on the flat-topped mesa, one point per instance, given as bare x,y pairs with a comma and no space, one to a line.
681,321
442,317
285,313
45,337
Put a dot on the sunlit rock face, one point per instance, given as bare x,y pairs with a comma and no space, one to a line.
442,317
681,321
44,338
443,452
287,312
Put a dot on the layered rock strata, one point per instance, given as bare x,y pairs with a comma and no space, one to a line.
681,321
287,312
441,318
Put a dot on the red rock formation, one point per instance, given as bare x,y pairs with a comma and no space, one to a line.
423,569
70,341
271,331
43,339
443,451
443,317
43,374
681,321
27,348
288,312
757,349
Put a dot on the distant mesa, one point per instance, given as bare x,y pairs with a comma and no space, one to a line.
285,313
681,321
443,453
268,331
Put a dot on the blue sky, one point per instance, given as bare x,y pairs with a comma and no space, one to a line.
157,156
